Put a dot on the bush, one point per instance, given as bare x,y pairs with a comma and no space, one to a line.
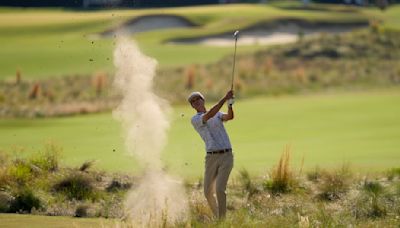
314,175
20,172
82,211
373,187
76,186
247,185
47,160
116,185
395,172
335,184
5,202
374,191
5,178
25,201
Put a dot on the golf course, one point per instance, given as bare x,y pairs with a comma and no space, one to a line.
360,128
315,137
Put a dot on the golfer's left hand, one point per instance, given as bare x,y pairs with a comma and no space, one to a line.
231,102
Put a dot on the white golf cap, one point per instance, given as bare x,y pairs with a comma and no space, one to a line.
195,94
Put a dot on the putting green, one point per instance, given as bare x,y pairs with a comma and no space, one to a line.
326,130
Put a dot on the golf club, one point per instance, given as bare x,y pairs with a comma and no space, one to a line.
235,35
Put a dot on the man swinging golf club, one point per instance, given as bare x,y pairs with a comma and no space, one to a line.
219,158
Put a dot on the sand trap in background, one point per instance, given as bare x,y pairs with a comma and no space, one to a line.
280,34
149,23
274,32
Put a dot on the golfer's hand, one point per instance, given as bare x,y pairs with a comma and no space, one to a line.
229,95
231,102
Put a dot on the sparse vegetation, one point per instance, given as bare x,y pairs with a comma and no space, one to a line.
248,186
331,198
334,184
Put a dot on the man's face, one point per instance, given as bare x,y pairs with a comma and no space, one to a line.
197,102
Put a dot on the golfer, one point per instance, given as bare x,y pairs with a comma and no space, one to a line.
219,158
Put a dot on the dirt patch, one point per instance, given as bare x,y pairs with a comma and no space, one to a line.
277,32
149,23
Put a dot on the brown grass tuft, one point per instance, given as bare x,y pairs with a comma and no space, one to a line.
282,178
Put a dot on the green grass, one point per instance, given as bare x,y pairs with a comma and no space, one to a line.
54,42
35,221
327,130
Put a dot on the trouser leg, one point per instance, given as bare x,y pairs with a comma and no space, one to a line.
210,181
224,170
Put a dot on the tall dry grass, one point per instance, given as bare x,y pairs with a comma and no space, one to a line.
282,179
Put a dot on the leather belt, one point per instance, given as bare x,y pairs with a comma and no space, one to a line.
219,151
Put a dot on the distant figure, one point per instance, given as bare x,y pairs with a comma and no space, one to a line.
219,158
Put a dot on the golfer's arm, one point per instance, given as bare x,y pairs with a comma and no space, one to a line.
213,110
229,116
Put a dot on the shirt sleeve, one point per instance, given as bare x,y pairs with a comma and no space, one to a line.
197,120
219,115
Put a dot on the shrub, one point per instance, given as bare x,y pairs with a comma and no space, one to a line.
247,185
47,160
391,174
5,202
82,211
76,186
25,201
116,185
374,190
282,178
5,178
373,187
314,175
20,172
336,183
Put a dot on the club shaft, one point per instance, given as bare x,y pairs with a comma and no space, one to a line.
233,68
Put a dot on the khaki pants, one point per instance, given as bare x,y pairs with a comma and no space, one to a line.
217,170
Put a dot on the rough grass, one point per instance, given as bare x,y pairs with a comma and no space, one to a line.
373,202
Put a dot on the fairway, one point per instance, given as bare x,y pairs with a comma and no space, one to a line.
360,128
44,43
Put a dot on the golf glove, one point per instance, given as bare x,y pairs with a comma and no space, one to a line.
231,102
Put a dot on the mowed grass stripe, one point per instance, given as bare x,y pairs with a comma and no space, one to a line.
326,130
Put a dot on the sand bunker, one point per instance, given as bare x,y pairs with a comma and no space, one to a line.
271,34
149,23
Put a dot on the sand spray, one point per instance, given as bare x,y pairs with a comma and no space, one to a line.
158,198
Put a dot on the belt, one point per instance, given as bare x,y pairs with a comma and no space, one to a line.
219,151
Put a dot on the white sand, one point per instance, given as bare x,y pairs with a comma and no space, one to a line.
280,35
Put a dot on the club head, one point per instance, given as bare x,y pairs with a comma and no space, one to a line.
236,34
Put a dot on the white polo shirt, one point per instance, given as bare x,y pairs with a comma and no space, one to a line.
212,132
